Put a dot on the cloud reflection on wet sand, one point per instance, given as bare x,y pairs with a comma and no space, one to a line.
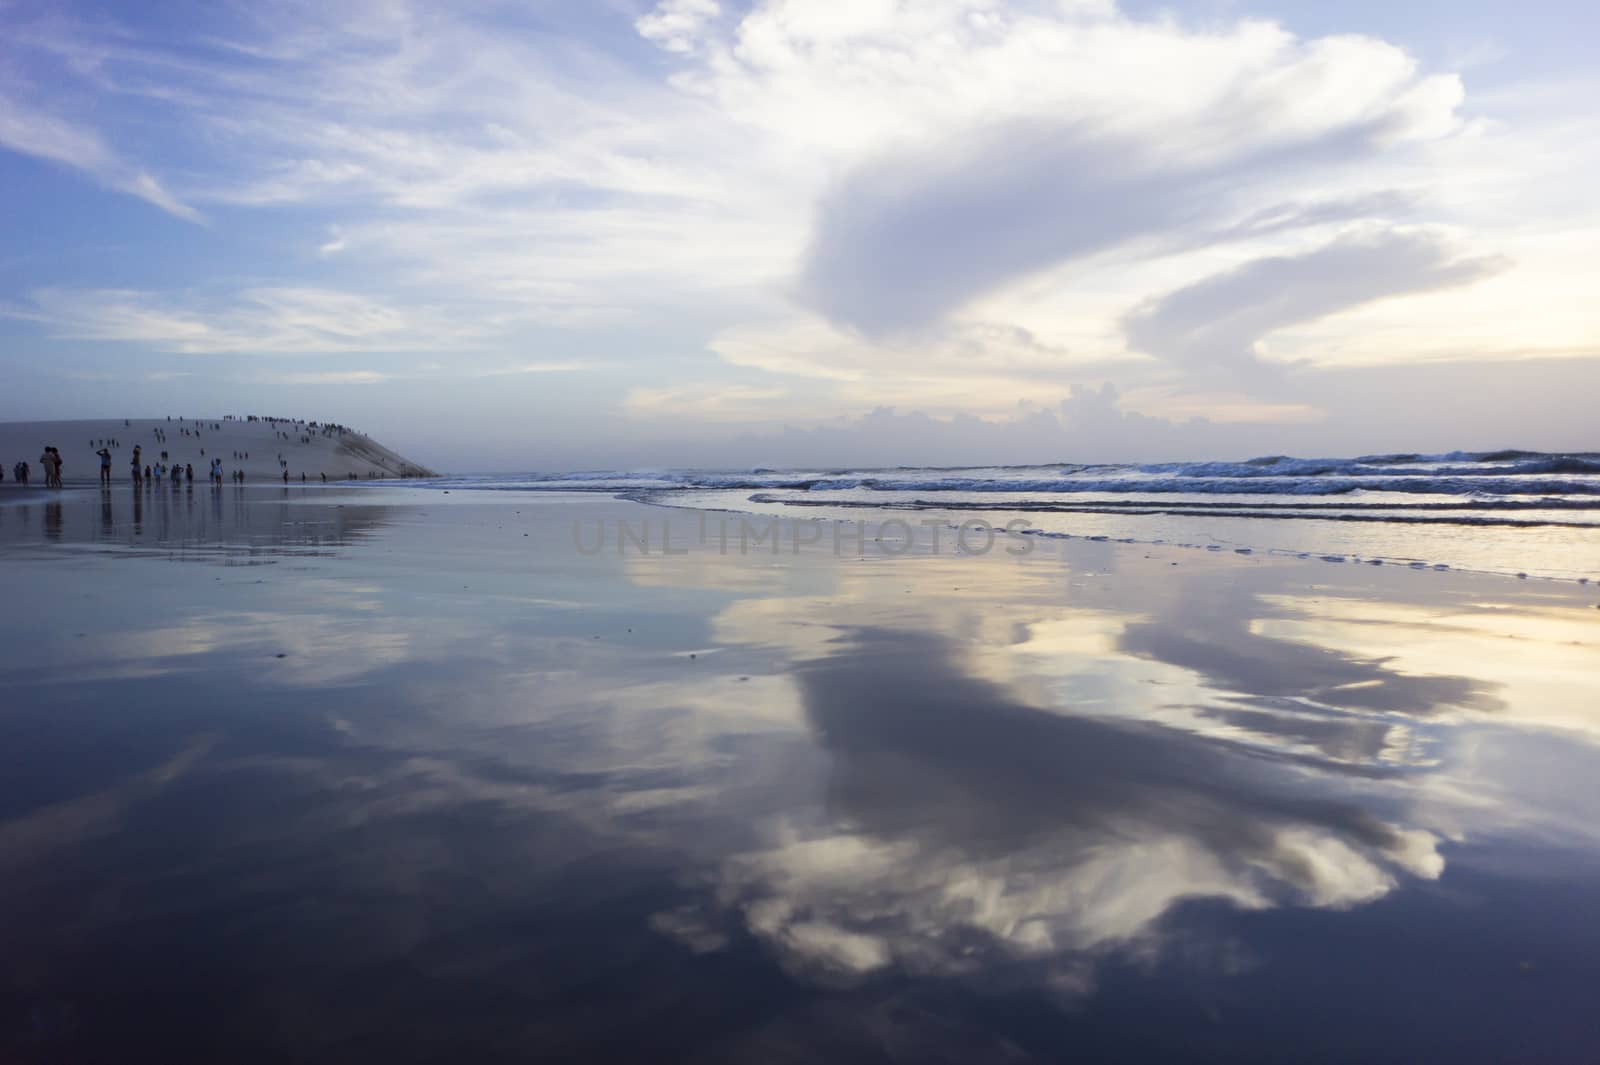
967,822
701,796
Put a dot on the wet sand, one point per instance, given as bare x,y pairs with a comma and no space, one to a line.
391,775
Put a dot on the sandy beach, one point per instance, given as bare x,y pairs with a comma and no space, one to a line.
263,449
336,766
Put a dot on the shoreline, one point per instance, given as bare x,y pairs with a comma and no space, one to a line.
400,494
1415,565
1487,524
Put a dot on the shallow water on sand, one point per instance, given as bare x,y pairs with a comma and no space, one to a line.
393,776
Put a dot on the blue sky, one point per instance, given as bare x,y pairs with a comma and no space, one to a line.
533,235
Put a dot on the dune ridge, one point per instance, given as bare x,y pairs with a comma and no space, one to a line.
273,445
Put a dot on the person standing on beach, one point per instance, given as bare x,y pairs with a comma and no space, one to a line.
105,465
136,478
51,461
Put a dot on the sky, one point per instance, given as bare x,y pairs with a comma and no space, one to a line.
562,235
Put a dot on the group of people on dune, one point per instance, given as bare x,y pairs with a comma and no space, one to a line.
179,473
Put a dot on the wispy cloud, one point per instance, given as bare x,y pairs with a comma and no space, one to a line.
279,321
46,136
676,24
706,400
328,377
535,368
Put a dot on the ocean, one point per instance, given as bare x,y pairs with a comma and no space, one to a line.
1514,512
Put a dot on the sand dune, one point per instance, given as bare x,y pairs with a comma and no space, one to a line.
272,446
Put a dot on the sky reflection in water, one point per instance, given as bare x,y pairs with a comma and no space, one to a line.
380,775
